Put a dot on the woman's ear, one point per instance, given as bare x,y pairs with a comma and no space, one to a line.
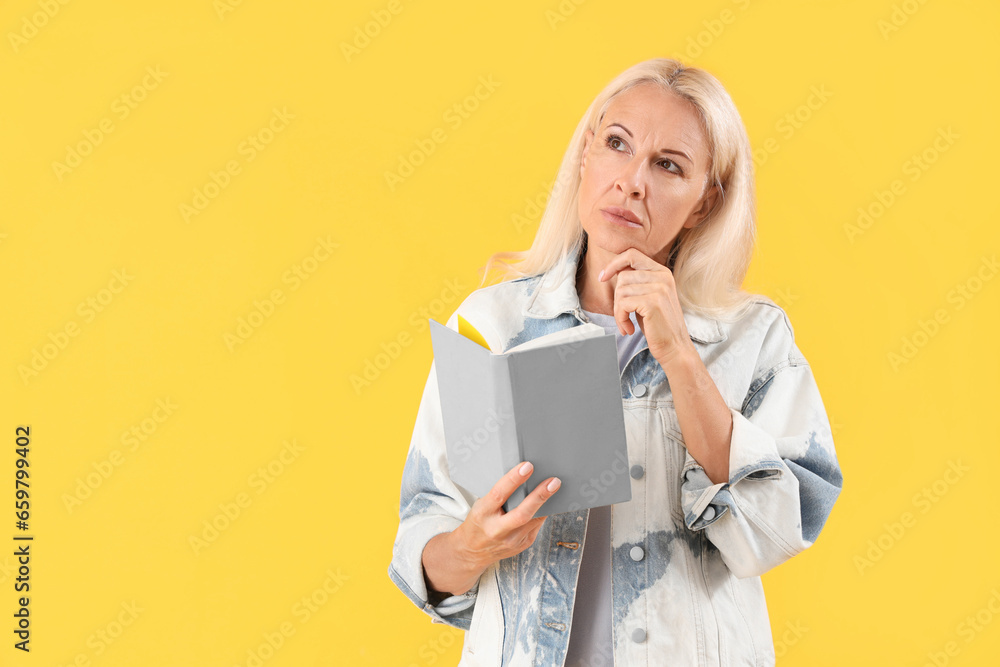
709,202
588,136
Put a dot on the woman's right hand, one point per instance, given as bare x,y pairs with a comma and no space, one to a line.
489,534
454,561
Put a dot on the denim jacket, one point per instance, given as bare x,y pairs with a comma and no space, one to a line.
687,554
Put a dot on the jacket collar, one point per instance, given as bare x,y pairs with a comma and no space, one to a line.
555,293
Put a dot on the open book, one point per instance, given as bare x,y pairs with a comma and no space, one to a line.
554,400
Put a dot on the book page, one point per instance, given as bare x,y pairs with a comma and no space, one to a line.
577,333
470,332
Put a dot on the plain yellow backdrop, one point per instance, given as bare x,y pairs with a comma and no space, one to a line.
225,223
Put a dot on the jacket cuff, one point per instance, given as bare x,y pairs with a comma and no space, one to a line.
407,572
753,455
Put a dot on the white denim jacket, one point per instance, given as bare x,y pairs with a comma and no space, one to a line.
691,593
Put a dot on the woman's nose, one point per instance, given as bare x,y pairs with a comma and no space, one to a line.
632,181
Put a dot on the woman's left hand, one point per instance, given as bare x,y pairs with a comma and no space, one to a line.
646,287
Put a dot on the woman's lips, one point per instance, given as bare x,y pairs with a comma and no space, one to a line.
617,219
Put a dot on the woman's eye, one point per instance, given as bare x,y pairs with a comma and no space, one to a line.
671,163
613,141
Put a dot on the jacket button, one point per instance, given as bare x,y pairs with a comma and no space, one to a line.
636,471
709,513
638,635
636,553
639,390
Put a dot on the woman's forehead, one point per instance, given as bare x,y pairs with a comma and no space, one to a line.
649,112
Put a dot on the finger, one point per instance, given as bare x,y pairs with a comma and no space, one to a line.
623,306
538,522
638,277
524,512
634,304
527,537
629,259
640,287
514,478
527,532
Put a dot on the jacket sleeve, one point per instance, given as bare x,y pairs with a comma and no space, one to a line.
783,472
429,504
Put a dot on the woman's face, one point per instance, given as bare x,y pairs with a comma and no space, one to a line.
649,157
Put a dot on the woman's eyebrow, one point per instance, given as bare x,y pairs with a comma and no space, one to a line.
662,150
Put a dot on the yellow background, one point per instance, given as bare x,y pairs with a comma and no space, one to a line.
897,73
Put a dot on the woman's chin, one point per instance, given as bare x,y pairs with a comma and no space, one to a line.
614,241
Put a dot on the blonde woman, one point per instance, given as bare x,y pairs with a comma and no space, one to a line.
649,233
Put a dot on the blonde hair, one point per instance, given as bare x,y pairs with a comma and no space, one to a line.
709,261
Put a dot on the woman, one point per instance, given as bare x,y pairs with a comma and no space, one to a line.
648,232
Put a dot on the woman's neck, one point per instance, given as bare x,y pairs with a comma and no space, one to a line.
595,296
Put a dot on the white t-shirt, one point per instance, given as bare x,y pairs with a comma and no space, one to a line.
590,640
627,345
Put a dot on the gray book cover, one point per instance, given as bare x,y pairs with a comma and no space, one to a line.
555,401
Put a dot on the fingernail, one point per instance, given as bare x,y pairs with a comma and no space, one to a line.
525,469
600,275
554,484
